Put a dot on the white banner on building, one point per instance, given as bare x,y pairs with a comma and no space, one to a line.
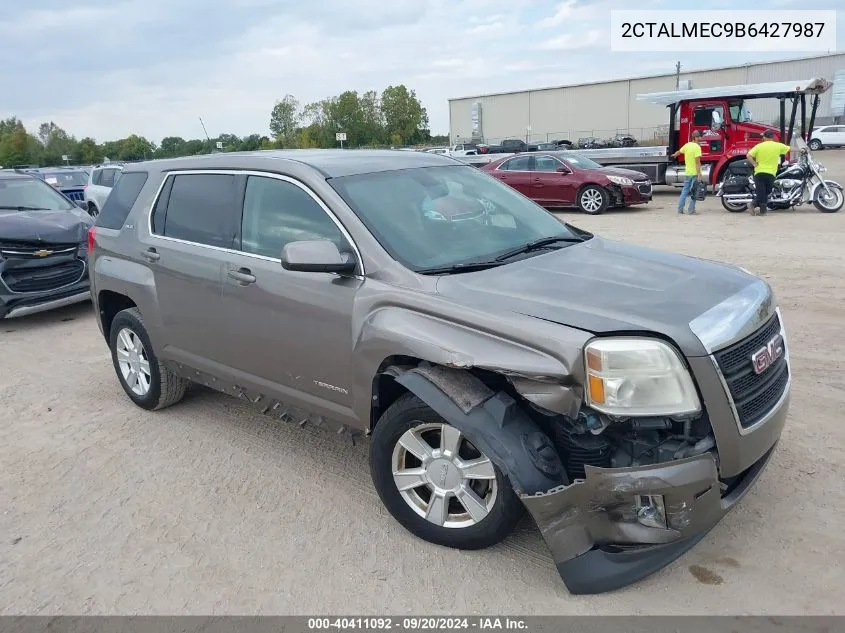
722,31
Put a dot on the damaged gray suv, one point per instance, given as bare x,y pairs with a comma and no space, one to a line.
498,358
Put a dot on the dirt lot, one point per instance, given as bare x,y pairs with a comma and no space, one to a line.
208,507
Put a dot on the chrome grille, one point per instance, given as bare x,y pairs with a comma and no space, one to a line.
42,279
35,250
753,395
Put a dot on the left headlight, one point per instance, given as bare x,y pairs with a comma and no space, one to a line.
638,377
620,180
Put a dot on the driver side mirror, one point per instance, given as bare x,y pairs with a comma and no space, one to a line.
316,256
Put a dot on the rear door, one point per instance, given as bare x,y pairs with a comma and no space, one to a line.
192,229
837,132
291,332
516,172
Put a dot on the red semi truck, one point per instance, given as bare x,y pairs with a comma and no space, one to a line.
723,116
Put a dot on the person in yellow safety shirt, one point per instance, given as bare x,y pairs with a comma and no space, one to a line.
692,172
765,159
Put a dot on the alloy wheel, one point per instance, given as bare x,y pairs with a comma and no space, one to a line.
133,362
443,477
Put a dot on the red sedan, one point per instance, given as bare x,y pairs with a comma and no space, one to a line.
569,179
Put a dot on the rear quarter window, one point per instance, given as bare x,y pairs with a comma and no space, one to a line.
120,200
201,208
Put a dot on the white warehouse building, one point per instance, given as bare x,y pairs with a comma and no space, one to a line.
604,109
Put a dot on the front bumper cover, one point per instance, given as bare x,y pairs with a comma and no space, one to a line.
592,529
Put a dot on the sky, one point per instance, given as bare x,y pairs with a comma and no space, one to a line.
107,69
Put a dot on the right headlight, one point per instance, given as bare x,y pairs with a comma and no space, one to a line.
629,376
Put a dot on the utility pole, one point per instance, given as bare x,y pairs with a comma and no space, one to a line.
210,147
678,76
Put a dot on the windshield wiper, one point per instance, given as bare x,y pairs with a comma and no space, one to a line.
466,267
22,208
543,242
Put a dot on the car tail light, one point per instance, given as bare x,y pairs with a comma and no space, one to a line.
91,238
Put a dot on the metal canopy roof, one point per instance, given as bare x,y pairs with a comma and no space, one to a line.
759,91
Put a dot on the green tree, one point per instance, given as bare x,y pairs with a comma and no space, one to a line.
135,147
171,146
284,120
17,146
88,152
404,115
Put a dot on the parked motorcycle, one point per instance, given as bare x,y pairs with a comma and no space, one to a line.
795,184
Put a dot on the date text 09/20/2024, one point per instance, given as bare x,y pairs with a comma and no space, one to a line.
416,624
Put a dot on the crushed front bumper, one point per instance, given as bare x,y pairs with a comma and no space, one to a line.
592,529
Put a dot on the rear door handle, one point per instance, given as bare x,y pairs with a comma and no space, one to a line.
243,276
150,255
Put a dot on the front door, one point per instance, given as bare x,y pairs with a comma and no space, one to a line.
291,332
706,117
552,187
516,172
192,228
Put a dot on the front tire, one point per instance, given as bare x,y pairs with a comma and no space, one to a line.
593,199
436,483
815,144
829,203
148,383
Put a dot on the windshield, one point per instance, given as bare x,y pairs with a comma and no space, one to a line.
580,162
31,193
66,179
444,216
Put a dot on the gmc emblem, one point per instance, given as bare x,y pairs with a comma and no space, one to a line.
766,356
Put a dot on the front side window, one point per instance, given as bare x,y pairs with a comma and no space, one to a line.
201,209
433,217
545,163
580,161
31,194
277,212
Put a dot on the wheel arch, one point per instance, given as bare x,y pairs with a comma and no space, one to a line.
496,423
109,304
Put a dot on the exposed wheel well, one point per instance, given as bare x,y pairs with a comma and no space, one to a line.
110,303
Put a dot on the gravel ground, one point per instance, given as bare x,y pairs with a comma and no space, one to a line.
210,508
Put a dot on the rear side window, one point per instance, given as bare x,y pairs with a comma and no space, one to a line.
95,176
108,177
120,200
201,208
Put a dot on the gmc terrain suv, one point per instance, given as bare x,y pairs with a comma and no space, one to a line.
499,358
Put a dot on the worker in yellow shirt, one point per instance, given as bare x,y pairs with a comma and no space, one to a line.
692,172
765,159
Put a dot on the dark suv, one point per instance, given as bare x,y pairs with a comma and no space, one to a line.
500,359
43,247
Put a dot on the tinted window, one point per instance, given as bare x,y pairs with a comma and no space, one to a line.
545,163
202,208
277,212
108,177
121,199
517,164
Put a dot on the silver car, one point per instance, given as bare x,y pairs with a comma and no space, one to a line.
101,180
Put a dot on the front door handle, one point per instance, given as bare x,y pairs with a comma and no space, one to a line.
243,276
150,255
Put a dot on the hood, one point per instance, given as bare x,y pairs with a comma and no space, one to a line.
633,174
70,226
602,286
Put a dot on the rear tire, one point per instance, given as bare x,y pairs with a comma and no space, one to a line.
148,383
474,512
593,199
735,207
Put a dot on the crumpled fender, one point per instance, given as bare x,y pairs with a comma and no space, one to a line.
496,423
